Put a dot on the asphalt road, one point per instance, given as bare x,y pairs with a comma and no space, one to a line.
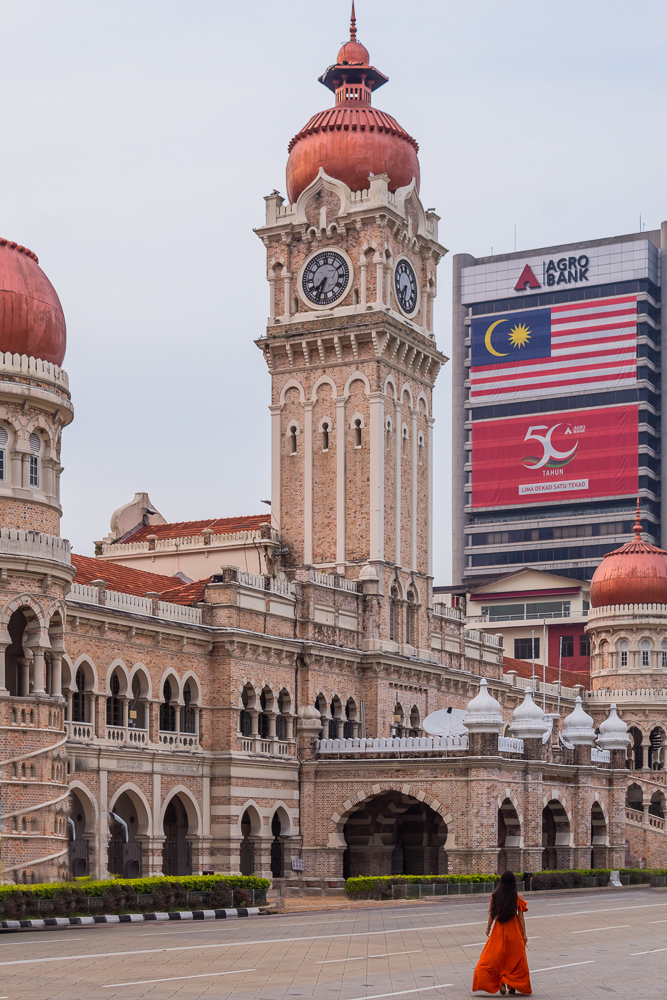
594,944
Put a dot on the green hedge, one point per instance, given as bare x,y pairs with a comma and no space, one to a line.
372,885
578,878
141,894
380,886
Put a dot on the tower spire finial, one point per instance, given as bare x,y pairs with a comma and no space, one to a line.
353,24
638,524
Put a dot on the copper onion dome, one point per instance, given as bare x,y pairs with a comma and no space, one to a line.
634,574
352,139
31,317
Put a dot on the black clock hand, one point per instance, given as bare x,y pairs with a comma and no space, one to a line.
319,287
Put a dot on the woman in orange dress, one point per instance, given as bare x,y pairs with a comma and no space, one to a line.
503,966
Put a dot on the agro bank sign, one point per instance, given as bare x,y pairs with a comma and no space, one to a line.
554,271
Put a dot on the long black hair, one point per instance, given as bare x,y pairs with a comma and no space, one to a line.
504,900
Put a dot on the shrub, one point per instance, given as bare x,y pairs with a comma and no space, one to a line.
380,886
115,895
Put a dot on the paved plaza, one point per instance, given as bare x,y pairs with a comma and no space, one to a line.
586,944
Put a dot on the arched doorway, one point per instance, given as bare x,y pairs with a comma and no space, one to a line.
556,852
634,799
247,848
509,838
79,842
177,849
635,749
124,845
598,837
657,805
656,749
395,834
277,847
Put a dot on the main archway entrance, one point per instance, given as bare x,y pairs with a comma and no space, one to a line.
556,853
394,834
177,849
124,848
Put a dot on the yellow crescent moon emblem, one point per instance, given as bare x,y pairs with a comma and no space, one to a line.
487,340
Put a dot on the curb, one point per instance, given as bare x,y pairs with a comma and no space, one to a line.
128,918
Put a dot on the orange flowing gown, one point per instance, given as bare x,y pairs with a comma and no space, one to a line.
503,959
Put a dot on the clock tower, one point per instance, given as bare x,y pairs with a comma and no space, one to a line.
351,266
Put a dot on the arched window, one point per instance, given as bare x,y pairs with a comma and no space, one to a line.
79,698
167,711
265,702
663,659
137,707
623,646
336,725
24,771
387,441
114,703
325,436
415,720
393,608
645,647
15,770
245,719
292,439
420,449
410,620
35,442
188,714
397,720
281,719
4,441
357,433
404,436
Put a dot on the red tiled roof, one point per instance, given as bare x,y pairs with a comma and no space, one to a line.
122,578
184,529
569,678
188,593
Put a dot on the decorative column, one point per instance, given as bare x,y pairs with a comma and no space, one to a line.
287,286
340,483
415,464
57,674
308,483
4,693
578,730
363,267
276,441
38,672
376,431
529,723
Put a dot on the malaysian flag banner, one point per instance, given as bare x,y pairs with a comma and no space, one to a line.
587,345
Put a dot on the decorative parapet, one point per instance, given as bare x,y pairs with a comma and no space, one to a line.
35,545
510,744
629,694
186,542
335,582
445,611
474,635
627,611
43,371
542,687
257,582
133,605
395,744
600,756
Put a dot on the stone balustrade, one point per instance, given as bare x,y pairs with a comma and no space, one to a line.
35,545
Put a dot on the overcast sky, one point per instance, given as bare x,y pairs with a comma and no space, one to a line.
140,138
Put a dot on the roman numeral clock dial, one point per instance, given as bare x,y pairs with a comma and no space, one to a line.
405,286
325,278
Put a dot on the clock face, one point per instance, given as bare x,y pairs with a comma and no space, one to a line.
405,286
326,278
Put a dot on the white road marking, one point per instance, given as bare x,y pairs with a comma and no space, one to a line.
650,952
171,979
236,944
657,921
310,937
550,968
33,941
361,958
614,927
474,944
400,993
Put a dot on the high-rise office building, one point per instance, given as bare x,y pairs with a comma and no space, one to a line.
556,404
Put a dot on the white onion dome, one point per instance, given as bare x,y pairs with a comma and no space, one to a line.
484,714
613,732
309,719
528,720
578,726
368,573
